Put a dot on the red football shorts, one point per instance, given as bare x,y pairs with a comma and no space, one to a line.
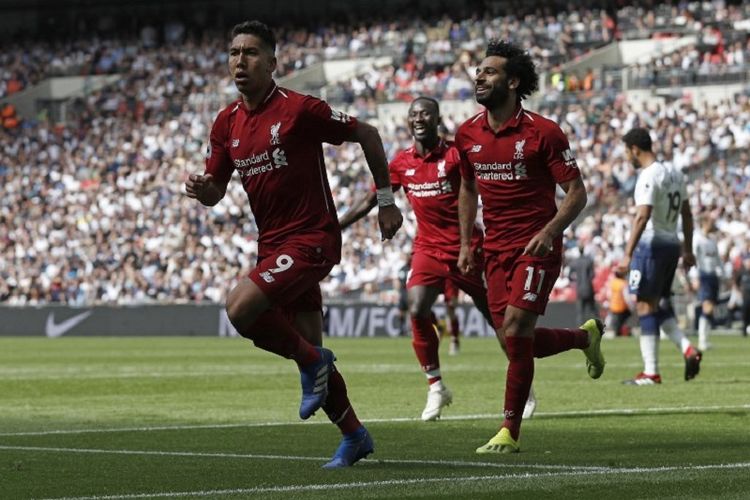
427,270
290,275
520,280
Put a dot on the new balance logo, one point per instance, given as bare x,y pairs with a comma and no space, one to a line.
530,297
267,277
475,148
409,171
235,143
339,116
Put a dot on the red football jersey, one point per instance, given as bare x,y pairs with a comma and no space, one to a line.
516,171
431,184
277,151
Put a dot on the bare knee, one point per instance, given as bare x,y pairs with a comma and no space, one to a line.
518,323
511,327
418,309
708,307
420,303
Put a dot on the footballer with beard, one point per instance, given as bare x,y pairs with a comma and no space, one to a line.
515,159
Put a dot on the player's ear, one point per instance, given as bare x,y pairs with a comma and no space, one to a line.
273,63
514,82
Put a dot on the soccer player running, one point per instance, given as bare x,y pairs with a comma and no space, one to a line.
515,159
653,252
272,137
450,297
429,173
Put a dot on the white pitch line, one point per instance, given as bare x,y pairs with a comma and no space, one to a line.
9,374
480,416
402,482
252,456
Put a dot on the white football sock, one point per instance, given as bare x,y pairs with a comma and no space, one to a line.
670,328
650,354
704,325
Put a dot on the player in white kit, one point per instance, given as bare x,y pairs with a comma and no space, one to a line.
653,252
710,271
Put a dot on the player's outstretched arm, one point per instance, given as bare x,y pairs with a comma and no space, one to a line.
467,214
574,201
361,207
389,216
205,189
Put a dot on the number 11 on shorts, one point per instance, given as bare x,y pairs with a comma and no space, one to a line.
530,278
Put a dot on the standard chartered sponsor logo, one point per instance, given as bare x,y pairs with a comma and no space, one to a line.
252,160
279,158
429,189
247,167
500,171
520,169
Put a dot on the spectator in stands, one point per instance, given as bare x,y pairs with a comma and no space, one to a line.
582,273
619,311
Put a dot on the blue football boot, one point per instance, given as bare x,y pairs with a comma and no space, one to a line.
314,379
353,447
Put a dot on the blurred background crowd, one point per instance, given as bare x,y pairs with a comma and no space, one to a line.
92,206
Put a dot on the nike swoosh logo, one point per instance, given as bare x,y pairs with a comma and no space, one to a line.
54,330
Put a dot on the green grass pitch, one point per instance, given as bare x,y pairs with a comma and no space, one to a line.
216,418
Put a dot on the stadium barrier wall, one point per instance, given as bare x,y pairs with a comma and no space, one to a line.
341,320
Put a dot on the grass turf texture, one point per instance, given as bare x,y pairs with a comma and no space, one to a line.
210,417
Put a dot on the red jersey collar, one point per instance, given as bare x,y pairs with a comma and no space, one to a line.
269,94
510,123
437,150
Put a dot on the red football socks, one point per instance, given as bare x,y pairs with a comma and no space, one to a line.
337,405
425,343
273,332
518,381
548,341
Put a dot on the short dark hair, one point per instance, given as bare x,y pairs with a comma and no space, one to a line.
258,29
428,99
518,64
638,137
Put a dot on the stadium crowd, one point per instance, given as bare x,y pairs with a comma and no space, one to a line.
93,211
433,57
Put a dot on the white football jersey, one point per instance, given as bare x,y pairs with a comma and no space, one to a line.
706,255
662,187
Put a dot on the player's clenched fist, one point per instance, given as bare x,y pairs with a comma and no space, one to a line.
465,260
196,185
390,220
204,189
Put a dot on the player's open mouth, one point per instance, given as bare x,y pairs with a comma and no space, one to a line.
419,128
241,77
481,89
